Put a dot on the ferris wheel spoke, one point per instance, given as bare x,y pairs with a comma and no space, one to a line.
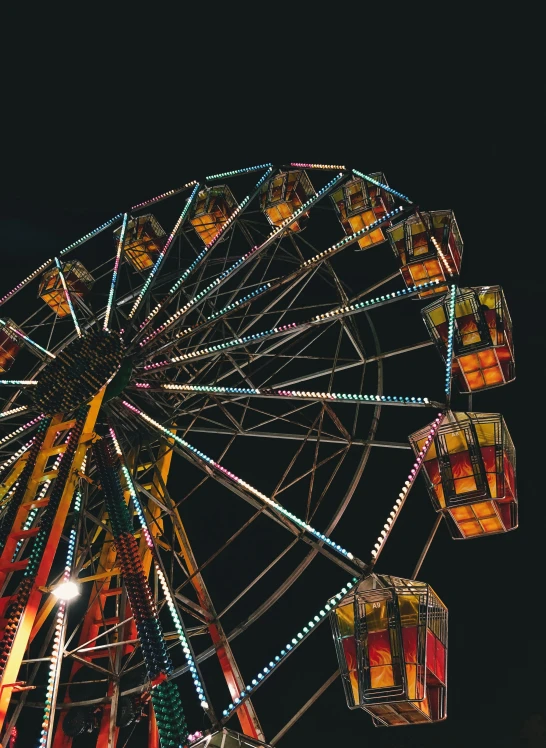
412,402
203,255
294,437
385,187
146,288
309,703
115,273
163,196
237,266
256,579
248,492
48,263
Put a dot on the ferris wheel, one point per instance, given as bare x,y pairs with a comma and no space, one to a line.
230,328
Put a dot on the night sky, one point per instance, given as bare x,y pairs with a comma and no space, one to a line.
83,144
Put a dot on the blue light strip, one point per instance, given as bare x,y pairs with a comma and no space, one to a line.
236,172
22,335
115,273
163,252
90,235
383,186
450,334
18,382
293,644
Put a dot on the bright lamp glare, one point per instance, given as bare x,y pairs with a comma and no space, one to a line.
66,591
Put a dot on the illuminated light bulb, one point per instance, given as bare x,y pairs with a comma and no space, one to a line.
66,590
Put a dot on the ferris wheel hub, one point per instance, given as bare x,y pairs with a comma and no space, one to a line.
79,371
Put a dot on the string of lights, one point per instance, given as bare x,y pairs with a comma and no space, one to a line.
406,488
115,273
288,649
177,621
414,402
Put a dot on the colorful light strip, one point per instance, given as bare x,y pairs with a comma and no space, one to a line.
67,296
291,327
236,172
226,473
47,263
21,334
297,394
293,644
26,281
58,637
403,495
22,428
15,456
34,511
115,273
164,585
163,253
450,334
237,265
202,254
90,235
21,382
336,167
163,196
383,186
225,310
13,411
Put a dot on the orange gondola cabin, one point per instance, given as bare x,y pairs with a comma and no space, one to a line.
429,247
144,240
10,344
391,641
470,470
483,349
360,203
283,195
213,207
78,280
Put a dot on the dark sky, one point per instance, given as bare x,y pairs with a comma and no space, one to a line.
90,132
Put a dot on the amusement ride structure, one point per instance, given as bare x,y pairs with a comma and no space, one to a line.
231,325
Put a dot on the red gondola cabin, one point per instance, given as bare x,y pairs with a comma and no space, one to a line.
10,344
470,470
391,641
483,350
